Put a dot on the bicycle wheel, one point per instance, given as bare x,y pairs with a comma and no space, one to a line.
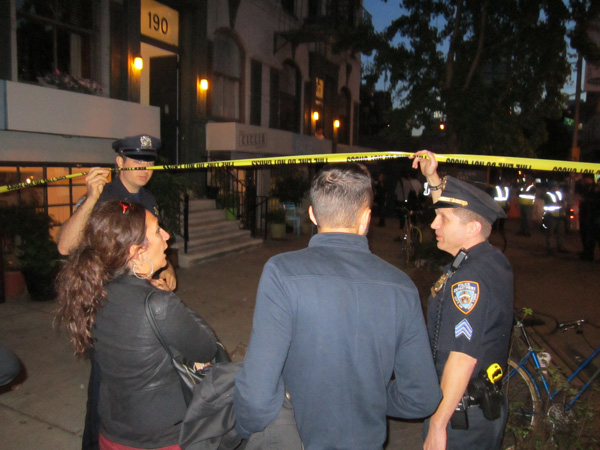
523,404
405,250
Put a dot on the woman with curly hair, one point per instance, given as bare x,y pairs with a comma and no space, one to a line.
101,292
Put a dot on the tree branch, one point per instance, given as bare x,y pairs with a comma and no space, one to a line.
479,52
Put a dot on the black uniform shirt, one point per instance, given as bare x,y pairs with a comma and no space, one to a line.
476,310
116,191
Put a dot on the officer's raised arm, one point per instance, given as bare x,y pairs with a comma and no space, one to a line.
425,160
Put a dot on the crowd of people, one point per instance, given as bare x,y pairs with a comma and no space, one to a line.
339,338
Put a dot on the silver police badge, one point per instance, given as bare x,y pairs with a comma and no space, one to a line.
145,142
465,295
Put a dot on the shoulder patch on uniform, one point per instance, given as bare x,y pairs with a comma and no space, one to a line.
465,295
463,327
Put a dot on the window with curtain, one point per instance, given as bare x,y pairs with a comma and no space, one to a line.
54,35
227,77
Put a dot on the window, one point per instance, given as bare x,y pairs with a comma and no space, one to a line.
54,35
57,198
274,99
227,78
288,98
255,92
288,6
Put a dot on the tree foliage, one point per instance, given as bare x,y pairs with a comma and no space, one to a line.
492,71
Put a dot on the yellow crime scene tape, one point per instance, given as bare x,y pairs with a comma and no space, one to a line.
504,162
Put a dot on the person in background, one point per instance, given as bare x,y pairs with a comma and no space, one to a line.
337,330
555,217
470,316
526,202
101,292
502,198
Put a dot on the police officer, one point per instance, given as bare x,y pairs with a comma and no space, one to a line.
470,313
555,217
502,198
133,151
526,203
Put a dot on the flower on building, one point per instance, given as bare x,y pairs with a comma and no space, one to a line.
62,80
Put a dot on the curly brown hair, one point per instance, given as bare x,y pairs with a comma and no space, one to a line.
102,255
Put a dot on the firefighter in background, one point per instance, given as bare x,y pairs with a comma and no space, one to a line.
555,217
502,198
526,202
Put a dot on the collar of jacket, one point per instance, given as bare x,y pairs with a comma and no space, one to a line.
348,240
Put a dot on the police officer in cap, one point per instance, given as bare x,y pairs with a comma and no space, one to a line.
128,185
470,315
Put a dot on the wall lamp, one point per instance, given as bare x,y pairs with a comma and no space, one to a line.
138,63
203,84
336,123
316,115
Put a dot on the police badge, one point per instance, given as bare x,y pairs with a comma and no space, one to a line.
145,142
465,295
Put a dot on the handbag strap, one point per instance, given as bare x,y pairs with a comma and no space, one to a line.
154,325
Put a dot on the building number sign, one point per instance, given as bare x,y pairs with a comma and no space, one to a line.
160,22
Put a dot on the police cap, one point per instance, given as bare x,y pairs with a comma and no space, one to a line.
458,194
142,147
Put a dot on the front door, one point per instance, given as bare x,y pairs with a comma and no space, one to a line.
163,93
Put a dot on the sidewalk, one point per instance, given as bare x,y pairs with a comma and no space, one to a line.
47,410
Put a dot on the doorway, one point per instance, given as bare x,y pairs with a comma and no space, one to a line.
160,87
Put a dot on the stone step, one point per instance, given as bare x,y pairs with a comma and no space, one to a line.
216,250
210,238
199,217
201,204
218,226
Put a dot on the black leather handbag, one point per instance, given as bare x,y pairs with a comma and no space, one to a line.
189,376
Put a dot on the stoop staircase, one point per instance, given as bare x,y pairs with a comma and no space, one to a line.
210,235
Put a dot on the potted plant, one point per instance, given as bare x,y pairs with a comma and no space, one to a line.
230,202
276,223
28,230
292,187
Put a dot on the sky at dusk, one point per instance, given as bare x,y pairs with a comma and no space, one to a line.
382,14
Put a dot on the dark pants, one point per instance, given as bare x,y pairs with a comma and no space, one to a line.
482,434
9,365
526,214
91,430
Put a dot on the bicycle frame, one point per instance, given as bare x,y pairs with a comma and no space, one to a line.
532,354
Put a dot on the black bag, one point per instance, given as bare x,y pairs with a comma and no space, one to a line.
189,376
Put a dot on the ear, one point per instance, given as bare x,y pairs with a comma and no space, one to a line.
365,220
473,229
311,215
135,251
120,161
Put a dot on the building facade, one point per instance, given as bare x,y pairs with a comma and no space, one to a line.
220,80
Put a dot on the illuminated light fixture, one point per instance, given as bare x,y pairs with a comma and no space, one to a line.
204,84
442,126
316,115
138,63
336,123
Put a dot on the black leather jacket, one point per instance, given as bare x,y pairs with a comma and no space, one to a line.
141,402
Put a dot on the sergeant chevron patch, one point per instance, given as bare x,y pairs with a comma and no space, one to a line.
463,327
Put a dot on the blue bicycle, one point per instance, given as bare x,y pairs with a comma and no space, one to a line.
527,383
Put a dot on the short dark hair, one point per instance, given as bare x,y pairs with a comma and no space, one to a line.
338,193
466,216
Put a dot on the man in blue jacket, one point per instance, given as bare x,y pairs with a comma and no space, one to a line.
337,330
